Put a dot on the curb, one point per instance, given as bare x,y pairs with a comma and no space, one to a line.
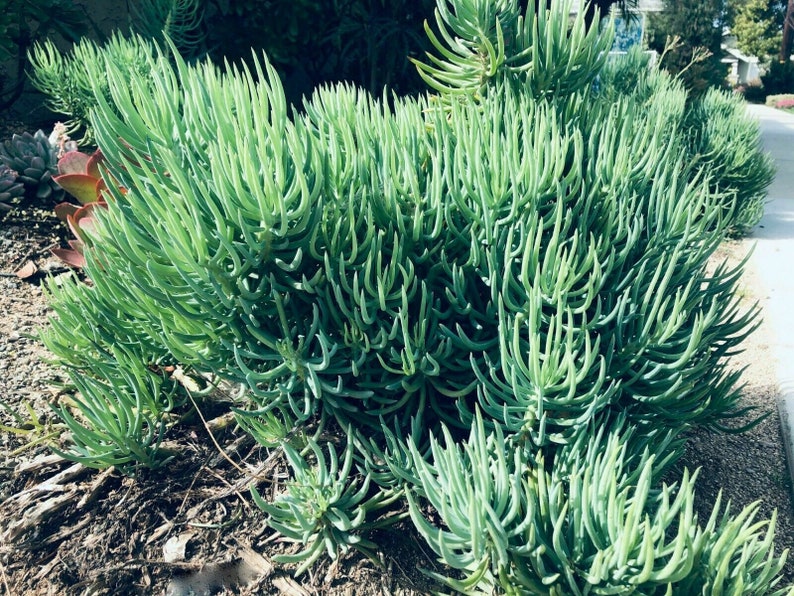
785,407
773,260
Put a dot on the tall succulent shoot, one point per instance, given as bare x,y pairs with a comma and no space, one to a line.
480,42
526,262
71,80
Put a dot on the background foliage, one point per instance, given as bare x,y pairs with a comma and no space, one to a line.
726,144
25,22
699,25
779,78
757,25
365,42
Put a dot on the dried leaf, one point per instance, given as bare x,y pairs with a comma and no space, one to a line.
27,270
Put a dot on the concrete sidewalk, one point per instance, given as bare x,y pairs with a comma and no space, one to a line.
773,259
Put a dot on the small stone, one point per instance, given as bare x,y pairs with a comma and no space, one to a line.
13,336
62,278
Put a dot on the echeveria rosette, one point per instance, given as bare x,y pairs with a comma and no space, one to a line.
10,188
34,159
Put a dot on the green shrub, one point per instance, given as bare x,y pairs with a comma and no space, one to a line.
522,258
779,78
180,21
25,23
726,144
774,100
370,331
753,92
771,100
721,141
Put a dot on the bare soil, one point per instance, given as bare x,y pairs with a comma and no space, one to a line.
66,529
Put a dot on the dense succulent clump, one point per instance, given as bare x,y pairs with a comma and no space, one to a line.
520,260
721,143
727,145
35,161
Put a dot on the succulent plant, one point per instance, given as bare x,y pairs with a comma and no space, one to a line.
326,506
79,175
34,159
10,188
526,260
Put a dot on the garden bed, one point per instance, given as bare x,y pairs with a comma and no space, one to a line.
527,253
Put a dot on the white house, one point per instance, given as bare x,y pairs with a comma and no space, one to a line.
743,69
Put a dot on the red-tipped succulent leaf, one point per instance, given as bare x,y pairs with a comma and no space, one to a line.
80,176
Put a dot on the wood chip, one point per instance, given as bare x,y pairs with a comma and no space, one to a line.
174,547
289,586
36,516
40,461
252,566
95,487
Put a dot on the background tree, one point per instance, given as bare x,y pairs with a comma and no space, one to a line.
788,30
780,76
757,25
697,56
764,29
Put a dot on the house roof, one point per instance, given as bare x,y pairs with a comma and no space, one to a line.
733,53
